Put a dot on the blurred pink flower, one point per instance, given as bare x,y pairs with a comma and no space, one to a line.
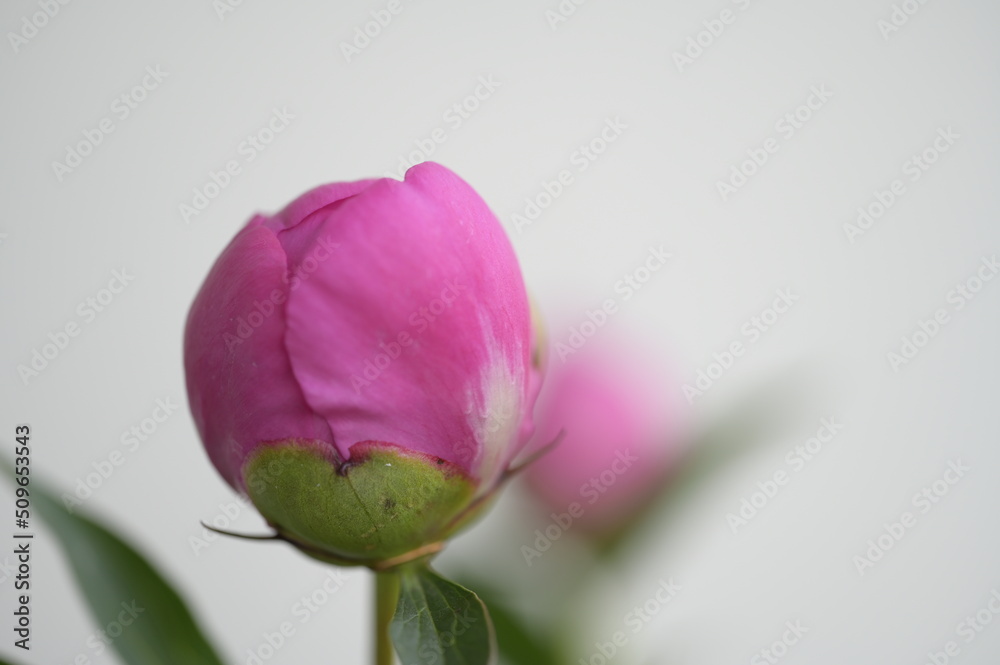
621,435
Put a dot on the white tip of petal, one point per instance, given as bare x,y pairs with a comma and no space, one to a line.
494,416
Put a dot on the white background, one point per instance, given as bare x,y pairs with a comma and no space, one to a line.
655,185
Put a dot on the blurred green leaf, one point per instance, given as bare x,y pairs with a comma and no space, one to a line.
517,642
717,448
439,622
135,608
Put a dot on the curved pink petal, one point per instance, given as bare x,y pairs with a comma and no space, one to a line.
240,385
313,200
415,329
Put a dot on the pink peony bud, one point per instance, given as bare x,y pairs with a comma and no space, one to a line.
620,436
360,363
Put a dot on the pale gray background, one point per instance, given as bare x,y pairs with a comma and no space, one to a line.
654,185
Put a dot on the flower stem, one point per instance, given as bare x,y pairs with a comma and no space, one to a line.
386,594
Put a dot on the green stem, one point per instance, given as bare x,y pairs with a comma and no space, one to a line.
386,595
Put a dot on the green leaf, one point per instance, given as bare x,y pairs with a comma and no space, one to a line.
744,429
132,604
518,641
438,622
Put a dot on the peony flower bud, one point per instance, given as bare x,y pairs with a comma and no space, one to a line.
360,364
619,441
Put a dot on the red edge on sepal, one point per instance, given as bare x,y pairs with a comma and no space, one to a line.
324,449
360,453
362,450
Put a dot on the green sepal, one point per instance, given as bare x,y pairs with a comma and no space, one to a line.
386,501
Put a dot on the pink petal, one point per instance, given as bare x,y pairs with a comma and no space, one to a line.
313,200
240,384
415,329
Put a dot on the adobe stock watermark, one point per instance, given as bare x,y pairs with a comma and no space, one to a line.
625,289
262,310
7,569
458,625
303,609
912,170
590,493
924,501
454,117
967,630
120,109
370,30
224,519
224,8
420,321
752,330
562,12
246,152
228,513
131,440
963,293
713,28
633,623
899,16
779,648
31,24
787,126
580,160
86,313
499,417
101,641
796,460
